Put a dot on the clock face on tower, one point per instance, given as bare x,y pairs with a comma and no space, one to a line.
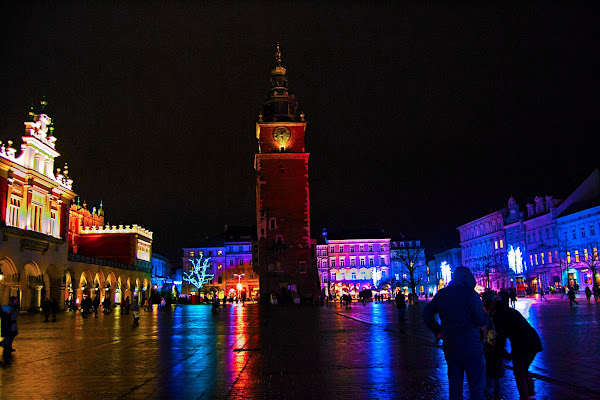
281,134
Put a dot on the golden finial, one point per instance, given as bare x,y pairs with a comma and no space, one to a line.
278,56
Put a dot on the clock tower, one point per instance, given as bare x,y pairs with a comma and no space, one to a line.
284,255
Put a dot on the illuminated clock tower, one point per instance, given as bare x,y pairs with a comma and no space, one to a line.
284,252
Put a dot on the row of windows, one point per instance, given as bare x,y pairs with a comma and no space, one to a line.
582,232
342,276
352,248
36,223
362,260
230,249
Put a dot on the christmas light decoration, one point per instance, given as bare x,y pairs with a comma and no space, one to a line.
198,276
446,272
515,260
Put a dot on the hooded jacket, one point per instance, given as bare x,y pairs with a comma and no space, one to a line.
461,312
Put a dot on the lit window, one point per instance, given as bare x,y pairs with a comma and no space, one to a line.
542,256
576,255
220,266
536,259
530,259
501,244
585,254
220,252
13,212
192,254
496,245
550,257
568,257
595,254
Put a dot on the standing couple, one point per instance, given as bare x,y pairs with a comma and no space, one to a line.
463,317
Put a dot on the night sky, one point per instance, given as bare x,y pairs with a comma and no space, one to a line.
420,118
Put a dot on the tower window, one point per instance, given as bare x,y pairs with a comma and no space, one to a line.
272,223
302,266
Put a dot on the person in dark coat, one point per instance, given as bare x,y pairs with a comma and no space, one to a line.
96,306
462,314
46,306
525,344
54,306
588,294
494,365
9,326
571,295
400,304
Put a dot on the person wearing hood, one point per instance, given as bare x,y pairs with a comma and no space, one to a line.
461,314
525,343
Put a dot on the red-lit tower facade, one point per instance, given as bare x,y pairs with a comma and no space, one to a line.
284,255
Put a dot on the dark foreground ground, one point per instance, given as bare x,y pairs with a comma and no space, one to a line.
292,352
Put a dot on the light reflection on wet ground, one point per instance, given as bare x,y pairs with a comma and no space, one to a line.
278,352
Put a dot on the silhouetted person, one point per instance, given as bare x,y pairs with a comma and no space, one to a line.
46,307
462,314
400,304
54,309
8,326
524,341
571,295
588,294
96,306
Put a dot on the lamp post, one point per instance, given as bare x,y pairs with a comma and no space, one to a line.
239,285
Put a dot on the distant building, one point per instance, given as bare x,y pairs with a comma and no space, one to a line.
351,262
52,248
34,216
554,243
444,264
407,256
162,270
229,262
483,245
284,251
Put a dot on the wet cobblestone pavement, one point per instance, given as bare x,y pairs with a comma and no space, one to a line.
291,352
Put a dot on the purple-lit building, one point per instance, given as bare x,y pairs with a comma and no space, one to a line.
483,246
349,265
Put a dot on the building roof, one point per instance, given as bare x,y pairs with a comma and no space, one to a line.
587,195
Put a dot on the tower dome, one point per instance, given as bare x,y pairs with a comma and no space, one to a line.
279,105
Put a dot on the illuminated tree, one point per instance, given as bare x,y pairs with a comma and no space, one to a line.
591,260
197,275
409,259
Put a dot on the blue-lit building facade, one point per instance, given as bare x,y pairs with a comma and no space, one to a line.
549,243
162,271
406,255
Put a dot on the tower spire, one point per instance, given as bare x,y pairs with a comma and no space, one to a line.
279,104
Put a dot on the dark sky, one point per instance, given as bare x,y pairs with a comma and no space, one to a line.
420,118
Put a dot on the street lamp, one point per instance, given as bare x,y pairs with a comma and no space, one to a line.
239,285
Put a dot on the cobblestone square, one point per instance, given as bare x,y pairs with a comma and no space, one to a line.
281,352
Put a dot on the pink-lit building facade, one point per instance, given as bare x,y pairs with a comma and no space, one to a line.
347,266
